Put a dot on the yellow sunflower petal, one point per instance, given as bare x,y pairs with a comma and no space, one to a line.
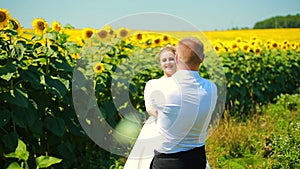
98,68
122,33
15,25
57,26
4,18
40,25
87,33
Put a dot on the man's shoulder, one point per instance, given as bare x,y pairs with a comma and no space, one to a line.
208,82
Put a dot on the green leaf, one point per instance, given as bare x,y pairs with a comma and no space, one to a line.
56,125
43,61
55,86
4,117
11,32
37,127
10,141
19,116
61,64
33,76
51,35
20,153
7,76
14,165
25,117
66,150
46,161
71,47
72,124
8,68
17,97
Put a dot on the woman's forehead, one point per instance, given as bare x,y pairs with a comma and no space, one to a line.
167,54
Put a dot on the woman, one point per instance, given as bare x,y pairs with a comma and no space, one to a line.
143,151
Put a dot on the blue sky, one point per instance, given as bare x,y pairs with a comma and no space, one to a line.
202,14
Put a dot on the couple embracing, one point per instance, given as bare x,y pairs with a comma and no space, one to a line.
180,105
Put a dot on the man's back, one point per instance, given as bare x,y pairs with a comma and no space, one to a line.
184,104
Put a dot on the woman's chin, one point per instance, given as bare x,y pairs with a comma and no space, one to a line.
170,72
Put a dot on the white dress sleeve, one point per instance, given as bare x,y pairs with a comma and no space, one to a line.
149,101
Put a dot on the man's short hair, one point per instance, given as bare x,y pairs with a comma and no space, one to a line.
191,51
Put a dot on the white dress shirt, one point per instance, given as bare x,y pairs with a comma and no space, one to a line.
184,104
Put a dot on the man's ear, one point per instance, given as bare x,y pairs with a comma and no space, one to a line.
176,58
202,58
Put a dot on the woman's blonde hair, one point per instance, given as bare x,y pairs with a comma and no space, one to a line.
168,48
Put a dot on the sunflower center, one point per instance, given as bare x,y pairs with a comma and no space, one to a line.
98,67
156,41
16,26
166,38
234,46
41,25
102,34
123,33
57,28
2,16
246,47
139,36
89,34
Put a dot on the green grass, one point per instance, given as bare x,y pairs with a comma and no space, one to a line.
256,142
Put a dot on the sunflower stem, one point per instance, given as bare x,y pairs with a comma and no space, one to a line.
47,59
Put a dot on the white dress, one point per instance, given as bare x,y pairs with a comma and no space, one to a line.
142,152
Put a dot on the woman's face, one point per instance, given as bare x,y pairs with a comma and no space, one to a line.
167,63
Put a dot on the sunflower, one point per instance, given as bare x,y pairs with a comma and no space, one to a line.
166,38
102,34
109,30
284,47
268,46
219,47
122,33
257,50
157,42
4,18
238,39
234,46
87,33
246,48
98,67
293,46
57,26
15,25
253,38
75,55
106,33
139,36
275,45
40,25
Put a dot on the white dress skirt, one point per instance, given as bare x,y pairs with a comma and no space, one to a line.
142,152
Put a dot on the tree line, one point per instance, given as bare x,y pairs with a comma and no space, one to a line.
289,21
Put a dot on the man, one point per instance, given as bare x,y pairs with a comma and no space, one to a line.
184,104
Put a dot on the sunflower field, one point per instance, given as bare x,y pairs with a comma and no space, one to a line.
39,126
